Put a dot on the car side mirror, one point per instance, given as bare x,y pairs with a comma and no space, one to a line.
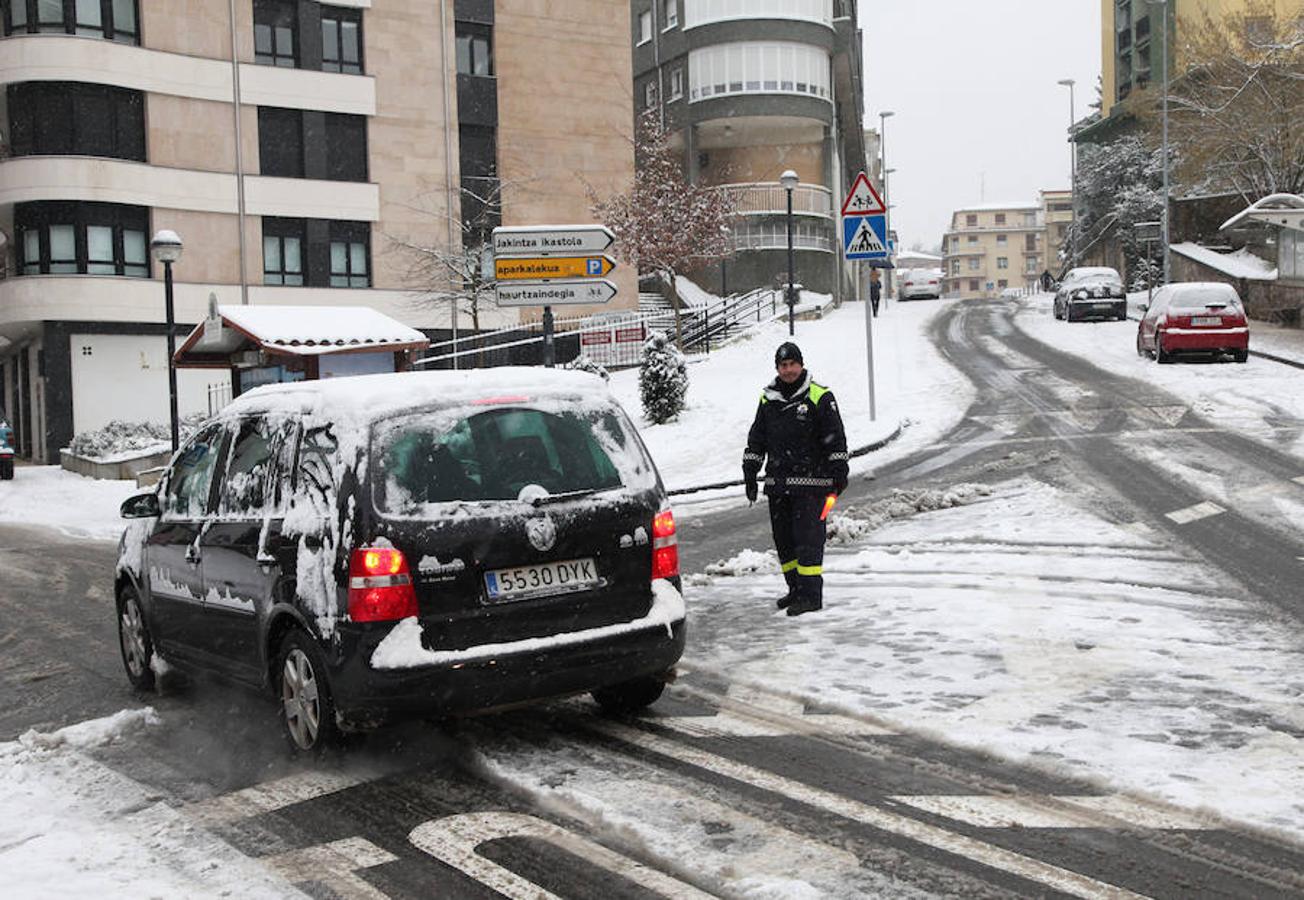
1144,307
141,506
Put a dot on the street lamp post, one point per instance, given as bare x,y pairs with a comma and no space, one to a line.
1073,177
790,180
1164,232
887,221
166,248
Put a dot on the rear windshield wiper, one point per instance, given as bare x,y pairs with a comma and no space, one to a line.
565,495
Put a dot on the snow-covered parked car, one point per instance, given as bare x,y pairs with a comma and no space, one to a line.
921,284
384,546
1204,317
1091,292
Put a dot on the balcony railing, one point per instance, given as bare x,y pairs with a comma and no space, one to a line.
771,199
778,240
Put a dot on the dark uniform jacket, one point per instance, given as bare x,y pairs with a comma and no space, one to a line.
800,431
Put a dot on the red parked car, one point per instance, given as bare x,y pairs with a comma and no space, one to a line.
1195,317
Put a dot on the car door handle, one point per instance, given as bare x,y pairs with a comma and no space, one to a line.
192,555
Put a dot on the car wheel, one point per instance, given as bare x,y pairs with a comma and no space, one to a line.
134,640
307,707
629,696
1161,355
1241,355
1140,351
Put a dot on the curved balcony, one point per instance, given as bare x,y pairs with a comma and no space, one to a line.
760,199
806,235
705,12
54,57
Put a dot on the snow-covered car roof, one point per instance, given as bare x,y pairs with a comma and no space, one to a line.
368,397
1206,288
1091,273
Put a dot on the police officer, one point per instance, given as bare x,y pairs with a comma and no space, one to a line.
798,429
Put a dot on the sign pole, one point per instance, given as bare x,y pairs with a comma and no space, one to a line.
549,351
869,359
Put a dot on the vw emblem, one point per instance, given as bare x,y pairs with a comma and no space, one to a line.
542,533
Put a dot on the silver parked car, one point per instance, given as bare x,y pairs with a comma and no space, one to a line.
1091,292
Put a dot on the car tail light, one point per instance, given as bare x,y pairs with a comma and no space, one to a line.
665,546
380,585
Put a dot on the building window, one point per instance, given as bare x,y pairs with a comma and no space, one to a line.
645,26
59,118
670,13
1000,218
1002,284
339,141
346,147
1029,242
341,40
316,253
276,32
1002,262
280,142
971,220
474,49
66,238
973,239
699,12
349,254
973,284
282,251
1029,220
955,267
650,94
974,262
676,83
1033,264
112,19
758,67
1001,240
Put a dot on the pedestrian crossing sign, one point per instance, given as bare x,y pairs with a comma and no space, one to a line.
865,237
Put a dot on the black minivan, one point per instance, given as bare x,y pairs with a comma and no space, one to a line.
382,546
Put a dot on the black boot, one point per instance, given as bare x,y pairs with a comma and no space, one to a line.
804,605
786,600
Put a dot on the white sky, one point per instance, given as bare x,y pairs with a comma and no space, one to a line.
973,86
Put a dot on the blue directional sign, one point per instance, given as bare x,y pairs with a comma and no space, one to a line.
865,237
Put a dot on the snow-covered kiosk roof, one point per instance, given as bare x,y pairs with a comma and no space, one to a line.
294,331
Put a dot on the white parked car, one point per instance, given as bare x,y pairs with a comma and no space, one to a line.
921,283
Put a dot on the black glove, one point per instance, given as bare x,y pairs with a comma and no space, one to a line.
749,488
839,484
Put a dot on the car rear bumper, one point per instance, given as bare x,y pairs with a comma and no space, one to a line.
1099,306
1176,339
388,673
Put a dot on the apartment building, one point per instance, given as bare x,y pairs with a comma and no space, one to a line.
1132,40
752,88
295,147
993,246
1057,211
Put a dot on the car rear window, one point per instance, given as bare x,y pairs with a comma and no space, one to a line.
504,453
1201,298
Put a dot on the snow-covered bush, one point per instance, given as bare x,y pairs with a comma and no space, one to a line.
119,438
582,363
662,379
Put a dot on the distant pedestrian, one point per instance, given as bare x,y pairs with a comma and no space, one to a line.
798,434
1047,280
875,290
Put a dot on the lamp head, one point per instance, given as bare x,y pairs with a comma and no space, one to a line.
1067,82
886,115
166,246
789,179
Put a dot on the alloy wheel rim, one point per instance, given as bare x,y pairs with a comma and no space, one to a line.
132,633
300,699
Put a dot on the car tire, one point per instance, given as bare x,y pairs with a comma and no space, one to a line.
629,696
1140,351
1161,355
1241,356
302,686
134,641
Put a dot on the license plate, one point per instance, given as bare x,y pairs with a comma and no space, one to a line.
1206,320
1103,307
541,580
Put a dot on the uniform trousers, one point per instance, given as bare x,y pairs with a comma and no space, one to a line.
799,534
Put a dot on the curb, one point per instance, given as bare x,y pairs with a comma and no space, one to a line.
860,451
1278,359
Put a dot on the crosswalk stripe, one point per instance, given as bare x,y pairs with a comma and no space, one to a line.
273,795
727,724
333,865
1044,811
1195,513
1053,876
